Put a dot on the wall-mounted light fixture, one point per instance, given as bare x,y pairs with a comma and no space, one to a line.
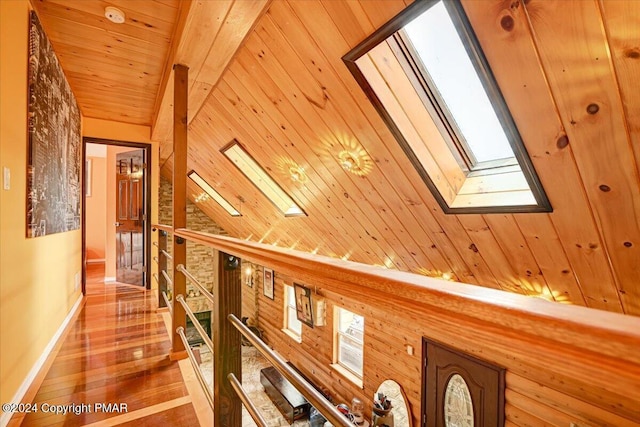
248,274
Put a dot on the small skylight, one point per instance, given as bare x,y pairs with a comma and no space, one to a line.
254,172
213,193
447,63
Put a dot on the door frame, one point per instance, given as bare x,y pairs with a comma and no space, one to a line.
147,203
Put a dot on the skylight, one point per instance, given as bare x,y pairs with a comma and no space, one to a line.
439,47
254,172
426,74
213,193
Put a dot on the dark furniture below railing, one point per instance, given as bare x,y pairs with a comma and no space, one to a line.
289,401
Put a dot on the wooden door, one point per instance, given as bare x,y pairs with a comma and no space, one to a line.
460,390
130,218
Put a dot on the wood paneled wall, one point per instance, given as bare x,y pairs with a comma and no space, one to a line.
566,70
546,384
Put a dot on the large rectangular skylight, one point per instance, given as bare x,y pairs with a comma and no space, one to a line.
254,172
447,62
213,193
426,74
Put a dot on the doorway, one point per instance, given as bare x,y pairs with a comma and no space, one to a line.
125,213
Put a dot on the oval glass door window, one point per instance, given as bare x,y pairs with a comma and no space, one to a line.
458,408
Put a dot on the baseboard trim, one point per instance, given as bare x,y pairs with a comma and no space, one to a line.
108,279
24,387
96,261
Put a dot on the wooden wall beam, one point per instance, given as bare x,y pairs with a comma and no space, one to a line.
180,90
227,292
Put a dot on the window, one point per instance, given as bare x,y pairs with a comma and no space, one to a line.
254,172
292,326
204,185
426,74
349,339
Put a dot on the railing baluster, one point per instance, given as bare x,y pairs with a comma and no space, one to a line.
167,301
311,394
196,367
167,278
246,401
196,323
195,281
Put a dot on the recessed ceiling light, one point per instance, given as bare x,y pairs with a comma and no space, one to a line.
114,14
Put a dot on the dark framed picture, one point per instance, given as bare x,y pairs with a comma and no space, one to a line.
304,313
267,283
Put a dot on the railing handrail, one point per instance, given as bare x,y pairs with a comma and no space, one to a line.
583,327
167,278
163,227
166,254
203,291
246,401
302,385
196,323
196,367
168,302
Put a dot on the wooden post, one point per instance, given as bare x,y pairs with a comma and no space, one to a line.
162,266
180,94
227,410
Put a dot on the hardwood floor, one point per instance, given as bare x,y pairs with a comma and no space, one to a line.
115,352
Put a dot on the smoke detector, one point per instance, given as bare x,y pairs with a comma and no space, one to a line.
114,14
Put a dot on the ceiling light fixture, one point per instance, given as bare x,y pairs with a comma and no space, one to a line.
348,160
357,162
297,174
114,14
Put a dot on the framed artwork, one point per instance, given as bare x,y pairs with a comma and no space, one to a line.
304,313
267,283
54,169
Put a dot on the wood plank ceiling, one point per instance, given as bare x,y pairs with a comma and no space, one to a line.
114,70
286,96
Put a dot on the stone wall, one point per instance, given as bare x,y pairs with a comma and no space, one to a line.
200,257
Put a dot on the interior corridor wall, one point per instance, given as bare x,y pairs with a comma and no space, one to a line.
38,275
97,210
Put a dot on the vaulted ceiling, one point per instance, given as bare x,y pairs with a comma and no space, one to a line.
270,75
